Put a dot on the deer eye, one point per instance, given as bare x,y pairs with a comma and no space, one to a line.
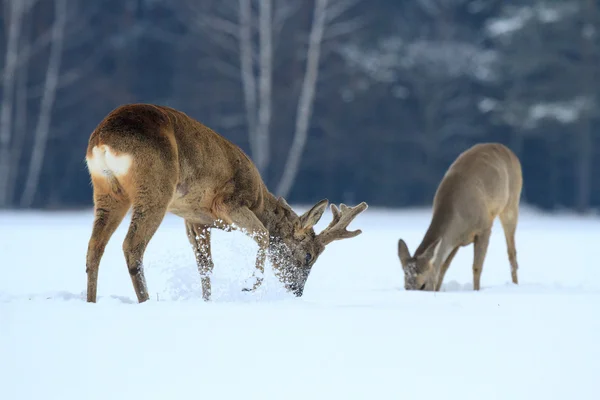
308,257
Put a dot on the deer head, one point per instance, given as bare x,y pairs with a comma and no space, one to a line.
419,271
294,247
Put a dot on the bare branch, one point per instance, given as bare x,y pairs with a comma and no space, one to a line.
337,8
231,121
73,75
283,13
225,68
225,42
206,21
344,28
75,31
217,24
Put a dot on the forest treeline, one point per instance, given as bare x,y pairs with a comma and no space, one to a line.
346,99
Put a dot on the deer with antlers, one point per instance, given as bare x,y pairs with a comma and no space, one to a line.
483,183
155,159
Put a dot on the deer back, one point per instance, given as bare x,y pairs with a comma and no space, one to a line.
477,186
209,169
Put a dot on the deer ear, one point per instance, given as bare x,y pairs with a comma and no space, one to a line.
312,216
403,253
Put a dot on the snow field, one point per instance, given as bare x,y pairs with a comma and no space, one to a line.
355,334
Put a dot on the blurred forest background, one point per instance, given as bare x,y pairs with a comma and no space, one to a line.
346,99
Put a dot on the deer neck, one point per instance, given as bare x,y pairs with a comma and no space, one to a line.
274,216
440,227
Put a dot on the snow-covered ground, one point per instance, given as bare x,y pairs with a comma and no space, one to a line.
355,334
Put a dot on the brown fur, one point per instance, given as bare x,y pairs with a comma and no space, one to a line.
158,160
484,182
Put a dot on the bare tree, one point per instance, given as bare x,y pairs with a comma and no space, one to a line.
36,38
259,113
254,37
247,73
16,9
217,22
265,29
305,102
588,82
329,22
42,128
20,125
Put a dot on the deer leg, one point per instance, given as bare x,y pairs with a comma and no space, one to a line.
199,237
109,211
509,220
145,220
480,246
444,268
246,220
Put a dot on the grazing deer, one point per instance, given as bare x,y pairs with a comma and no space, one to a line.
485,181
156,160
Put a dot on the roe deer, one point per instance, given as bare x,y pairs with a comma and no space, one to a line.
485,181
156,160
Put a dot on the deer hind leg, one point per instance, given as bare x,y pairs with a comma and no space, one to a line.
246,220
153,191
145,220
109,209
199,237
444,268
480,246
509,218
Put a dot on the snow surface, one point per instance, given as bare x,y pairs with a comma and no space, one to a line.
355,334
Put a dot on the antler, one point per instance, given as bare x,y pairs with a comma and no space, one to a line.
341,219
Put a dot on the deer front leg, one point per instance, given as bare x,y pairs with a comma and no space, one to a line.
199,237
247,221
444,268
480,246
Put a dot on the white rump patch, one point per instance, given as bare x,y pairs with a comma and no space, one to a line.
105,162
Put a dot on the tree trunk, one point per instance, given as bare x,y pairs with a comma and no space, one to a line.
43,124
584,152
305,103
584,166
20,130
247,72
265,84
6,109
